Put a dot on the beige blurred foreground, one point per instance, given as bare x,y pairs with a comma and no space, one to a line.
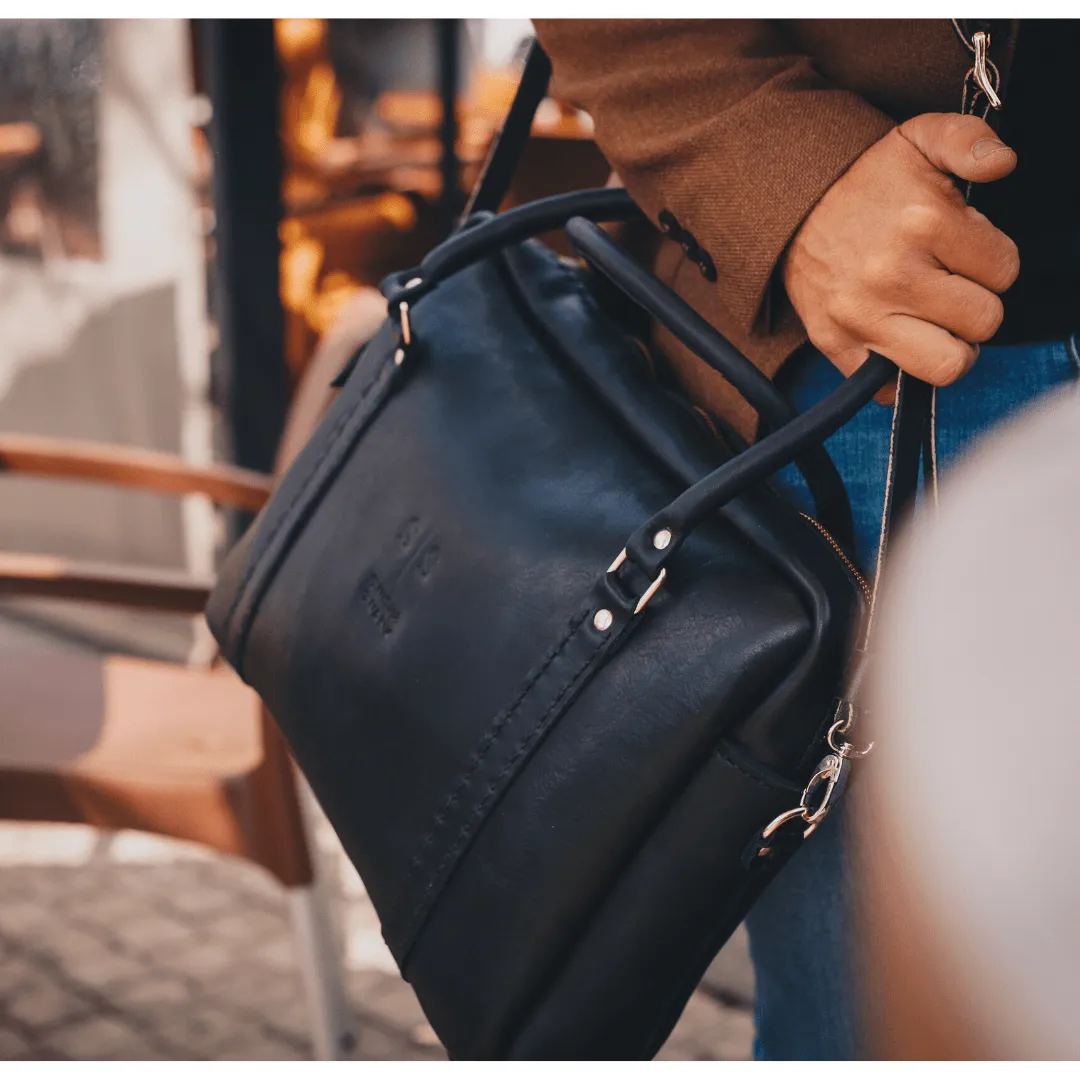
972,834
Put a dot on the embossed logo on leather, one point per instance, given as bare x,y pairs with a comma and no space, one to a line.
378,603
412,557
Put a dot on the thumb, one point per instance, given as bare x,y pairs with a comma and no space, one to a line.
962,145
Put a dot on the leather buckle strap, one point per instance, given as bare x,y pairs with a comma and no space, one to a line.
654,586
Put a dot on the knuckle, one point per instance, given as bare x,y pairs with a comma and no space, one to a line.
845,311
879,271
963,126
960,131
828,338
921,221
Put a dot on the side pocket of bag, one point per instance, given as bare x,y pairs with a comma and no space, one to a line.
677,901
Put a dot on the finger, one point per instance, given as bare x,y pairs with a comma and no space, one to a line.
965,146
965,242
954,303
849,359
924,350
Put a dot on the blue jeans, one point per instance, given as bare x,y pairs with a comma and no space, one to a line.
800,938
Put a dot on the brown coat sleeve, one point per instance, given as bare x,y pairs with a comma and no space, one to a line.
723,125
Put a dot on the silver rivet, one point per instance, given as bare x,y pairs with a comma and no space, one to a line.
411,282
662,539
603,619
399,357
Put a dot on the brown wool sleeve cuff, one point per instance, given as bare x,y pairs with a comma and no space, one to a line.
724,137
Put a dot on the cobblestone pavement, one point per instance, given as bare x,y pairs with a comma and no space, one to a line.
133,947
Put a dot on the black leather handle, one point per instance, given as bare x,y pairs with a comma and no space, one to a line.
756,463
793,440
492,234
702,339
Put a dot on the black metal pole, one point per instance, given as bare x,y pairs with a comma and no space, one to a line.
451,201
252,381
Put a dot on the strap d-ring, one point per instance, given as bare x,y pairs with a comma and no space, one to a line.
650,592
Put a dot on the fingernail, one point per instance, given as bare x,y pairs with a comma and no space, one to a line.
986,147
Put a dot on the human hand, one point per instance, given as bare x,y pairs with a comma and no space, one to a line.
891,259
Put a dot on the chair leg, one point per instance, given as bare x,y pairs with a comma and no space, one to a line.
320,968
280,836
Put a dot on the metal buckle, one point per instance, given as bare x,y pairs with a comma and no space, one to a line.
406,326
650,592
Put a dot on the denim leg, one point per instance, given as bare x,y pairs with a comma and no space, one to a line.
800,934
800,951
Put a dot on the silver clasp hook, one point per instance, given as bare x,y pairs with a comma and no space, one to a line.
841,725
816,798
981,40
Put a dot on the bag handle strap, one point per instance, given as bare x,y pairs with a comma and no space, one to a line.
911,412
664,305
489,233
486,234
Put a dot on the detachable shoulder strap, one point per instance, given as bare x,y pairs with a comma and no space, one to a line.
508,145
909,437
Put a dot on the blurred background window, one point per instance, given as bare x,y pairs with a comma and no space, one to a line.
103,331
49,136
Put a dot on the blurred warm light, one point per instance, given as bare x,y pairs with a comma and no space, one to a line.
290,231
301,262
492,90
347,197
298,39
334,295
26,218
396,210
19,140
310,99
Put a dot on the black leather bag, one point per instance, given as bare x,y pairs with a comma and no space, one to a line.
557,664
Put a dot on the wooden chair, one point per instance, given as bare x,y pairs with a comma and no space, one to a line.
119,742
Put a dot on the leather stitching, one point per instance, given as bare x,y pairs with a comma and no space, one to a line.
476,759
422,906
331,442
467,830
